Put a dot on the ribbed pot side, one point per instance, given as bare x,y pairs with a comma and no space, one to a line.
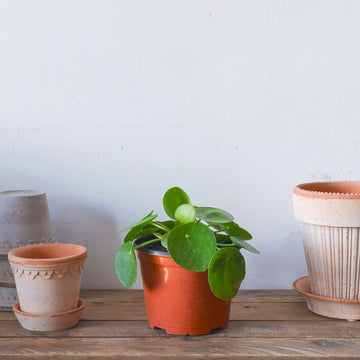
329,216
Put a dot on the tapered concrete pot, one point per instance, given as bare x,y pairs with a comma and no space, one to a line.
329,214
48,277
24,220
8,297
6,274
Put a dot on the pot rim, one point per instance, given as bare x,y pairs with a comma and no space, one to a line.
21,255
348,189
21,193
81,305
302,291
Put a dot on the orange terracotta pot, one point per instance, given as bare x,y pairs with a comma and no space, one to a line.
178,300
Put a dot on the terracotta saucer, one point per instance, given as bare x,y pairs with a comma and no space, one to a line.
51,322
325,306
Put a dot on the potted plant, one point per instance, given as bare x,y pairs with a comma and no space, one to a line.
191,264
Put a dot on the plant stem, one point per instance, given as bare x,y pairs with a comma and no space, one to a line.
161,226
147,243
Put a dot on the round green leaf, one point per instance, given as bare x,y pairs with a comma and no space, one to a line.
141,224
226,272
173,198
139,231
164,240
192,246
223,239
213,215
125,264
245,245
185,213
233,229
148,230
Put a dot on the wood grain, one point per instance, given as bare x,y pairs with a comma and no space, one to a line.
265,324
180,347
236,329
136,296
239,311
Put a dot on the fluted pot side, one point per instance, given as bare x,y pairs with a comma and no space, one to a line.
333,260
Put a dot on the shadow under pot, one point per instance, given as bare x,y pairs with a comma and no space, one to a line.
48,279
178,300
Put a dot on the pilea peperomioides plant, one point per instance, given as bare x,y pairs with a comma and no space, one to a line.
197,239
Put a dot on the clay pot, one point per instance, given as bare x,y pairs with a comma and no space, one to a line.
178,300
48,277
329,214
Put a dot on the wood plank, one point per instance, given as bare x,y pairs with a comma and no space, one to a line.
236,329
7,315
99,298
180,348
273,311
118,295
268,296
136,296
239,311
265,324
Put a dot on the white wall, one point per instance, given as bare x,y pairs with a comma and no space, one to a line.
106,104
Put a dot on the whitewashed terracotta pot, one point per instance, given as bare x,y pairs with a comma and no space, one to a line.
329,214
48,276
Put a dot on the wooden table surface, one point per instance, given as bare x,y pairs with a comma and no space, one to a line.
265,324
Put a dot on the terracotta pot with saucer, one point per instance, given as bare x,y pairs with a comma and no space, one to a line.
329,216
48,278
